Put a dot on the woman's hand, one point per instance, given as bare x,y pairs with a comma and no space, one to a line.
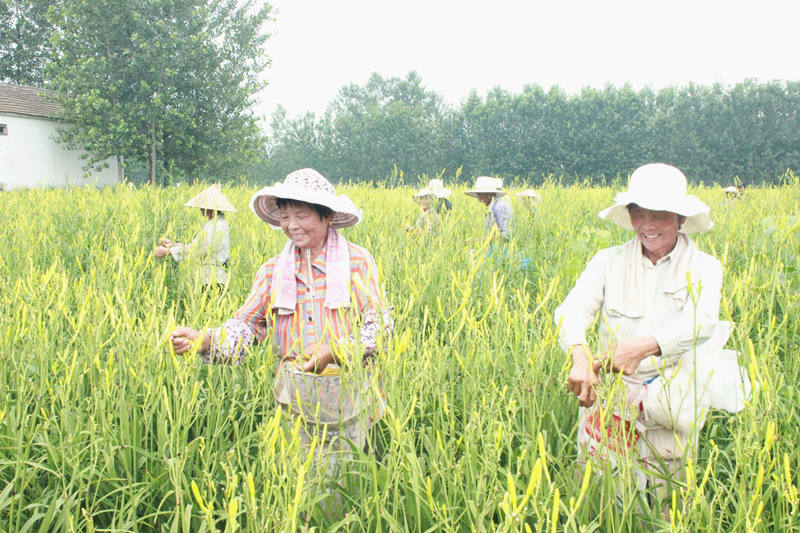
183,338
627,354
161,251
320,357
582,378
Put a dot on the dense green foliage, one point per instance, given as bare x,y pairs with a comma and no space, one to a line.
162,81
102,427
715,134
25,48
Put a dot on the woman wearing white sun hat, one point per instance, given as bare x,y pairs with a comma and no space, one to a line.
659,299
211,246
498,212
321,304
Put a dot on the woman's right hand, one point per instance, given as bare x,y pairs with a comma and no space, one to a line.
582,378
183,338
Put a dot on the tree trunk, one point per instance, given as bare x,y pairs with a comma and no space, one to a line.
120,170
153,164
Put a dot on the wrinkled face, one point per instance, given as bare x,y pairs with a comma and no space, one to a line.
657,230
304,226
424,201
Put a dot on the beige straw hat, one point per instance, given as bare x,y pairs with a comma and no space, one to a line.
305,185
487,185
529,193
659,187
211,198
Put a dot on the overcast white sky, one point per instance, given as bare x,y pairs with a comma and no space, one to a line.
456,46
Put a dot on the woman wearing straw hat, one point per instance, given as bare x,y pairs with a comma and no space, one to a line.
321,304
211,246
428,220
659,331
531,199
498,213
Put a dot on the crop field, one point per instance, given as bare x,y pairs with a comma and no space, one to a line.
104,428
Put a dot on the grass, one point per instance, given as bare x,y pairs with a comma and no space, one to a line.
103,428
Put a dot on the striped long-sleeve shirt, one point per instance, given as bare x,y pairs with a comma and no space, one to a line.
311,322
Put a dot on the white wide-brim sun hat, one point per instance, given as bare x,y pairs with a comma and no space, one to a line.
659,187
438,188
529,193
425,191
211,198
487,185
305,185
732,189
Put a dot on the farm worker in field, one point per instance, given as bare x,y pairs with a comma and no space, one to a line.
659,331
498,212
321,304
428,220
211,247
731,192
443,205
530,198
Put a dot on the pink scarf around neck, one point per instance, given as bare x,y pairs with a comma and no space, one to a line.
337,273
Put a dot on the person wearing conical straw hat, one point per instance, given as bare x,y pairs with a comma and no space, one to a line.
489,192
660,337
211,246
443,205
321,305
531,198
428,220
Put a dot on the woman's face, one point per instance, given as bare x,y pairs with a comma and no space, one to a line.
304,226
657,230
424,202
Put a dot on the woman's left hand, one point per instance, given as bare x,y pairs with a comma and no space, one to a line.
321,356
161,251
627,354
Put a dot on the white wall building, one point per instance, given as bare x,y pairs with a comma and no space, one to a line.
30,156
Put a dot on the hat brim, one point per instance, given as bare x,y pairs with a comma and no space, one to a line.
211,198
691,207
475,192
263,204
442,193
529,195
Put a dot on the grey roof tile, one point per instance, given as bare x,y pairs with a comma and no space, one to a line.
26,100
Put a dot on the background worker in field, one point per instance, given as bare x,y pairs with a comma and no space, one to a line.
321,305
210,248
660,336
530,199
428,220
489,191
441,193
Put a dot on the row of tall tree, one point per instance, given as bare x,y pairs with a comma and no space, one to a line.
714,133
170,84
167,82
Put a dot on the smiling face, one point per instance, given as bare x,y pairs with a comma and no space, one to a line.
657,230
304,226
